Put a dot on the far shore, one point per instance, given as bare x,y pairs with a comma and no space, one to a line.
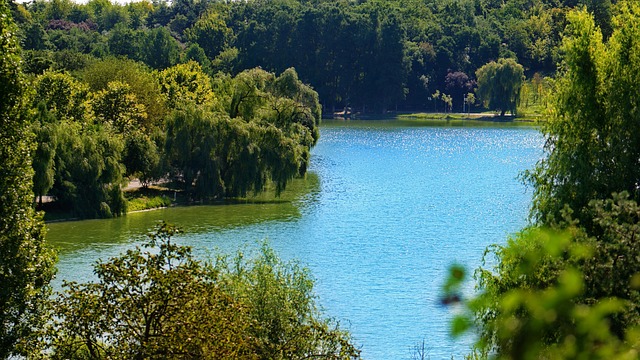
447,116
159,190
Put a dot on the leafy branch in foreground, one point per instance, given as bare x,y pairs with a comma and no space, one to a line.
539,302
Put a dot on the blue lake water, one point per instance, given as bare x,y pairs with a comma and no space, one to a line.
385,209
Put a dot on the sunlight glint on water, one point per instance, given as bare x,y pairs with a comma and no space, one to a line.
383,213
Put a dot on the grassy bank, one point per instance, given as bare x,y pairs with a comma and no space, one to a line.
138,199
475,119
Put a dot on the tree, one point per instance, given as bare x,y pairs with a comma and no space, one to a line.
435,96
190,148
195,53
499,85
458,84
391,63
35,38
262,131
568,288
185,83
591,146
118,106
61,94
26,264
448,102
89,171
470,100
142,83
537,302
159,300
309,112
159,49
280,300
45,129
124,41
153,300
211,33
141,157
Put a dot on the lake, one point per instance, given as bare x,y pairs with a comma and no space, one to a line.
385,209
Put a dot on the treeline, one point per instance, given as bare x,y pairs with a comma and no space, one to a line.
371,56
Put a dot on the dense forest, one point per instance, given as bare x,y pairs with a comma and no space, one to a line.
370,56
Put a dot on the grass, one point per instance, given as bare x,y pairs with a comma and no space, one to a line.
151,197
475,119
145,203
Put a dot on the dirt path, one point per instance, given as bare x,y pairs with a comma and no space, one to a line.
133,184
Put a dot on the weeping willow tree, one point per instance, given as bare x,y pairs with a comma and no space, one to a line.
259,131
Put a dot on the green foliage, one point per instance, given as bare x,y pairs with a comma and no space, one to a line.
211,33
34,37
124,41
537,303
195,53
118,106
185,83
499,85
575,293
159,49
149,301
262,132
159,299
288,85
249,93
221,157
61,94
141,157
369,55
45,130
141,82
26,264
89,171
613,271
562,294
280,301
591,146
190,145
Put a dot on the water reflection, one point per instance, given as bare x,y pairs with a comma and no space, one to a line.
79,235
385,211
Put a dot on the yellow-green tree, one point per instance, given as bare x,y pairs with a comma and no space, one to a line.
118,106
140,80
61,94
160,301
592,143
185,83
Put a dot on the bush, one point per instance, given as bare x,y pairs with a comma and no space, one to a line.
538,302
159,301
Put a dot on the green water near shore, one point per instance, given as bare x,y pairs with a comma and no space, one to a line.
386,207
